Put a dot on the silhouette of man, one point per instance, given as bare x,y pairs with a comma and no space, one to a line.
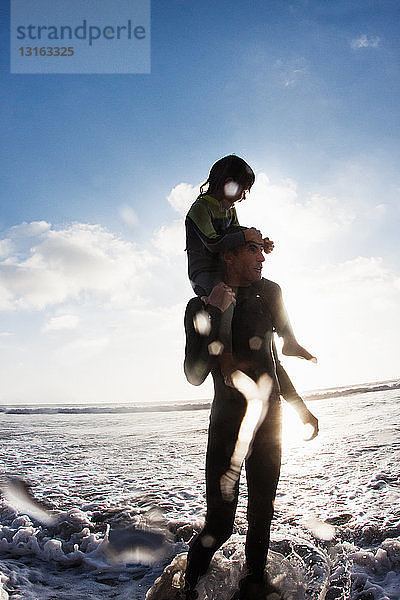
255,355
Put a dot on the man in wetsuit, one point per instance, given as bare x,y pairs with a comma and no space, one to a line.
254,354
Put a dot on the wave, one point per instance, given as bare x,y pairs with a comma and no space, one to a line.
324,394
74,410
393,384
73,554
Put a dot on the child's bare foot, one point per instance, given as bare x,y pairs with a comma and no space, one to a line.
292,348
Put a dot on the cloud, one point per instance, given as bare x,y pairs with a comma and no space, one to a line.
62,322
170,239
82,349
182,197
289,74
48,266
5,248
115,305
129,216
276,208
18,239
341,304
365,41
114,355
28,230
87,302
296,224
347,314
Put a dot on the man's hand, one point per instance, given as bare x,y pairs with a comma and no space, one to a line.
253,235
268,245
221,296
309,419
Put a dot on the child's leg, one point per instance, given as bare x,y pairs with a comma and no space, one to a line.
202,286
273,295
204,283
225,335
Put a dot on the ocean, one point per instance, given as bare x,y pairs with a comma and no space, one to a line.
104,467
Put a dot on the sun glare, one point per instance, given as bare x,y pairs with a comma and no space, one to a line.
293,430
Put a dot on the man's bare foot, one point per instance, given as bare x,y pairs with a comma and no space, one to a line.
292,348
252,590
186,595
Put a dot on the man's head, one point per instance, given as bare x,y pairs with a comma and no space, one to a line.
244,263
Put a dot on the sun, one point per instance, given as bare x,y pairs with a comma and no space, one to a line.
294,432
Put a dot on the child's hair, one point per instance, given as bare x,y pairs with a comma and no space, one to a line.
229,167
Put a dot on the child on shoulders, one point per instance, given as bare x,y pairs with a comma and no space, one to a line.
212,226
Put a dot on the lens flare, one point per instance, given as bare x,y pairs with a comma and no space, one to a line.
321,530
215,348
208,541
255,342
136,545
18,493
231,189
257,396
201,322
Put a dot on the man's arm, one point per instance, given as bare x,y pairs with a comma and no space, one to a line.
288,391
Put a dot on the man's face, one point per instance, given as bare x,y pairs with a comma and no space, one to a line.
247,264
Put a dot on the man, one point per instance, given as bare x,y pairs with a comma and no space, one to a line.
254,354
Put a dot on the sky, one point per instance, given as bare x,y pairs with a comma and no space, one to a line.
98,171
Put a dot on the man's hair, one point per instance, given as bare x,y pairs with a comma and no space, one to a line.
236,229
229,167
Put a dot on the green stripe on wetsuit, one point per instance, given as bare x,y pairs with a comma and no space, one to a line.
206,225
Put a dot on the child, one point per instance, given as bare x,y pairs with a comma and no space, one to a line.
207,234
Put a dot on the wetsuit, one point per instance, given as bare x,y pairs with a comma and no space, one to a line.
207,235
251,320
206,225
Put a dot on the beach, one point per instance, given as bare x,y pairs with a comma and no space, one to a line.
110,465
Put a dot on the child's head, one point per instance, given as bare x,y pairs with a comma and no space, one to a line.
231,168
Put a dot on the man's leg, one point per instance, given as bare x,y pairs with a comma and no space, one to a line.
217,529
263,469
226,416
